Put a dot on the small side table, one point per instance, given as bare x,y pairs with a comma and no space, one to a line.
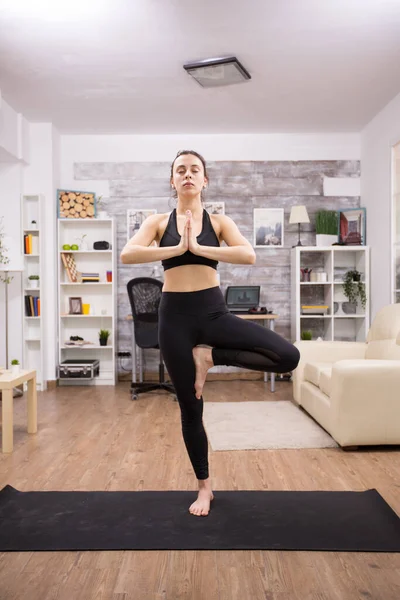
7,382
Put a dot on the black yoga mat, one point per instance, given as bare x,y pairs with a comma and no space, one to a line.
239,520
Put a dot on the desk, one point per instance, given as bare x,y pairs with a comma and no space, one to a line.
270,319
7,382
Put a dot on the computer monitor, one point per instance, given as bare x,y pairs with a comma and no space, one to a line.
239,298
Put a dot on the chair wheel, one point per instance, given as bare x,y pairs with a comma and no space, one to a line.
134,396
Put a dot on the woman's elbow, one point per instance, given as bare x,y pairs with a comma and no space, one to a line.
252,257
126,257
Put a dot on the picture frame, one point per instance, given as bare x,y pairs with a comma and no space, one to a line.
214,208
75,306
352,226
268,224
73,204
135,218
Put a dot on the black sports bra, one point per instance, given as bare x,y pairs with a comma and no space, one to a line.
171,237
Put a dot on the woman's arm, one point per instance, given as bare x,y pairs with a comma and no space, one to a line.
238,250
138,249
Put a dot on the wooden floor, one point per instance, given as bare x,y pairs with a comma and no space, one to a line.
97,439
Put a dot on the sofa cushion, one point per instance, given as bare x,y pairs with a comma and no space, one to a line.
312,371
325,381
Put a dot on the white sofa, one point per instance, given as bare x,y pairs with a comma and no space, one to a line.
352,389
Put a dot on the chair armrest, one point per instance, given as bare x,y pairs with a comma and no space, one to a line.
329,352
365,393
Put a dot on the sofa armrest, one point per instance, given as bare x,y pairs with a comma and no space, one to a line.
365,394
330,352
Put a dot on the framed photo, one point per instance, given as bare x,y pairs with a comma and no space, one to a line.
75,306
351,224
72,204
215,208
268,227
135,218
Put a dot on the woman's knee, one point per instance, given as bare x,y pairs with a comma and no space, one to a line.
292,357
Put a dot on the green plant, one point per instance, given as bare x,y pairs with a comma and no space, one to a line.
326,222
15,361
306,335
103,334
101,202
4,260
353,287
33,277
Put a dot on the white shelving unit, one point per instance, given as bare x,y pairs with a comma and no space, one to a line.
334,261
101,296
33,326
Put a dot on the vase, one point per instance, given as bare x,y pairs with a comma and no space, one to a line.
323,239
15,369
103,342
339,310
33,283
102,214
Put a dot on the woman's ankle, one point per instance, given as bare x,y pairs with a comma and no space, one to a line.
204,484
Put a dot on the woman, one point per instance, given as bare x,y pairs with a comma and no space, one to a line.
192,309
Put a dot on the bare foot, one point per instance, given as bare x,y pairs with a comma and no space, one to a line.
203,361
201,507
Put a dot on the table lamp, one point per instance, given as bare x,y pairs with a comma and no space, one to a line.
298,214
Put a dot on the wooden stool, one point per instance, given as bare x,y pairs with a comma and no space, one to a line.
7,382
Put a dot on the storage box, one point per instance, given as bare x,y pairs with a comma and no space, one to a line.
79,368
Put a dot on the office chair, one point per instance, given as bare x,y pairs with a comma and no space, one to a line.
144,295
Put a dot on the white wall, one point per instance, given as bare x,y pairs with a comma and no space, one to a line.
10,194
121,148
377,139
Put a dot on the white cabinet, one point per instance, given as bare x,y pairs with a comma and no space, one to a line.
33,282
86,305
342,321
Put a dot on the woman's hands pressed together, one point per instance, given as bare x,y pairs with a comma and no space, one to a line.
188,239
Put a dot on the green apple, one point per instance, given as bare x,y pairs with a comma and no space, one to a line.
66,247
74,247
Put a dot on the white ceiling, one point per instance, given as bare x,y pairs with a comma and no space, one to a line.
116,66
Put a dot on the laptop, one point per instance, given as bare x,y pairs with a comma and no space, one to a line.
239,298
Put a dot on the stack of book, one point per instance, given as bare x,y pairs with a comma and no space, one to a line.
31,244
32,306
89,277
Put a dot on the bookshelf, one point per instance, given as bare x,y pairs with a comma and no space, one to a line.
33,251
91,293
338,323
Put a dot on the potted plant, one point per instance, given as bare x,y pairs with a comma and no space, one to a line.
15,366
4,260
326,227
100,205
83,245
306,335
33,281
103,337
353,287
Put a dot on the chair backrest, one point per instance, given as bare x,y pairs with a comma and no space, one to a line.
383,339
144,296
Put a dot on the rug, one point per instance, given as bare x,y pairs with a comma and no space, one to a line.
336,521
262,425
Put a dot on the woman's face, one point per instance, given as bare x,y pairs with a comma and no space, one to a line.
188,175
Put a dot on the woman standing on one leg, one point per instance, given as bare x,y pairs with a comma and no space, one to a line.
192,309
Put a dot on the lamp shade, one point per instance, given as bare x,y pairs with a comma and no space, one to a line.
299,214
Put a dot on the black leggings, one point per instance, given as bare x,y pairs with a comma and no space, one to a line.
187,319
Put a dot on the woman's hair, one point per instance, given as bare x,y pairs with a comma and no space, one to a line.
184,152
